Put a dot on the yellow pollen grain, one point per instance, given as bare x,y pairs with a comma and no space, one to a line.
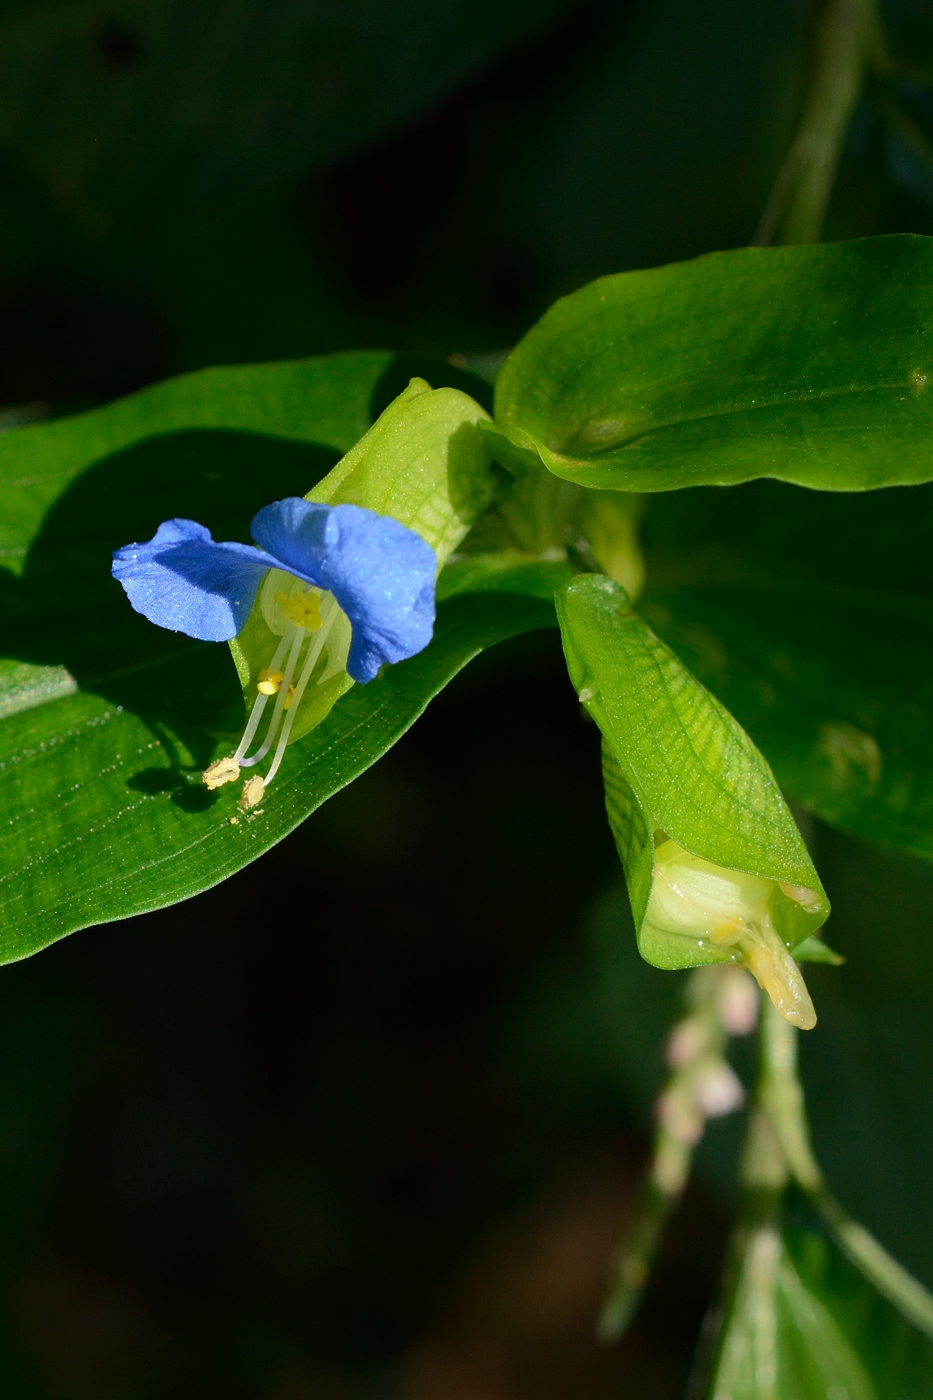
302,611
269,684
252,794
223,770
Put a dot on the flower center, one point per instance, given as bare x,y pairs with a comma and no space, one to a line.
303,610
305,618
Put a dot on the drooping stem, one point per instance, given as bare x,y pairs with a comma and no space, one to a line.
660,1193
721,1001
847,39
780,1095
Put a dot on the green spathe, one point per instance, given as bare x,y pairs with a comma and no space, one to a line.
689,797
809,364
425,463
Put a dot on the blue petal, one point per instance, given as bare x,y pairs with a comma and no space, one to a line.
184,580
380,572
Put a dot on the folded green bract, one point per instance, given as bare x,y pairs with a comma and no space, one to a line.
716,867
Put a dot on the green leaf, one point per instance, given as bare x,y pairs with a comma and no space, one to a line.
809,615
325,401
679,769
810,364
423,462
106,815
503,571
834,684
105,720
803,1324
781,1340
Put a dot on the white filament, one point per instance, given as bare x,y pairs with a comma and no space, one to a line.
314,651
280,699
259,704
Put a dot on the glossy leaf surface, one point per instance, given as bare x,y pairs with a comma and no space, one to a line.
105,720
809,364
106,814
810,617
836,688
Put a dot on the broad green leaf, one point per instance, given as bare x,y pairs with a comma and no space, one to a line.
806,613
809,364
505,571
325,401
834,684
680,771
105,720
769,531
106,815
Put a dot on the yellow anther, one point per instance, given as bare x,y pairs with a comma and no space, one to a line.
252,794
288,698
222,770
269,683
304,610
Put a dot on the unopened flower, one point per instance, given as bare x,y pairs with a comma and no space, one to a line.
730,913
737,1002
717,1088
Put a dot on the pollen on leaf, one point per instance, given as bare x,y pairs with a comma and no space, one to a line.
222,770
253,792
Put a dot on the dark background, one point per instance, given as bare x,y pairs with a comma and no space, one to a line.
389,1154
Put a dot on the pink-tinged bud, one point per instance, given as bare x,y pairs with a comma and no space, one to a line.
718,1090
737,1002
686,1042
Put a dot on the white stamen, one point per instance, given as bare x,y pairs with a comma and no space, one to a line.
281,697
314,651
259,704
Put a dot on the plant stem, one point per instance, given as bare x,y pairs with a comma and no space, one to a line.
846,39
780,1096
635,1259
721,1001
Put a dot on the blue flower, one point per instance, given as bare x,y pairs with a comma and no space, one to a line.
380,573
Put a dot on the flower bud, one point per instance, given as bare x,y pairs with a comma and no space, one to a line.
729,915
737,1002
718,1089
